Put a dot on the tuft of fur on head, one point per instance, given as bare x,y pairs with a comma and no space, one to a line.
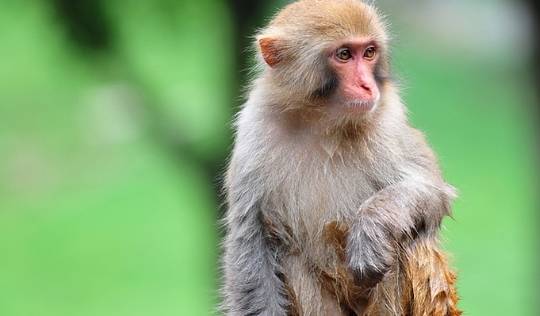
301,33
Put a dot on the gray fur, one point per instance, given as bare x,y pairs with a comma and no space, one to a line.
290,175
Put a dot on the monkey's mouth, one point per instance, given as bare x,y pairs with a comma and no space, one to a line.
359,106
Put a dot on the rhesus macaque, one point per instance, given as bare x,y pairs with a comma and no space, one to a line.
334,201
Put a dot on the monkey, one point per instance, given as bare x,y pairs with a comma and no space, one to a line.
334,201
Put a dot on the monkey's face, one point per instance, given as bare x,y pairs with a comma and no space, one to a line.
342,77
330,56
353,63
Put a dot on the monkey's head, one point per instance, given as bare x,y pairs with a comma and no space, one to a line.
329,55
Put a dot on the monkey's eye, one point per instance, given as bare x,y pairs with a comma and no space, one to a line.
343,54
370,53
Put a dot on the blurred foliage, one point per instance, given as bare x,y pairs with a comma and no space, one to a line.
105,204
114,124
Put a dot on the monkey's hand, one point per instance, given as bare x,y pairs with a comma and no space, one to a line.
371,249
391,217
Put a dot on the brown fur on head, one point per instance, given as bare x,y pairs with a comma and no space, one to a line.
294,46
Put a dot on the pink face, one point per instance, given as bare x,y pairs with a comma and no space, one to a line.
354,64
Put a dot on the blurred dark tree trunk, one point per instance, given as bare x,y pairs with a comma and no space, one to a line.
86,23
246,15
534,9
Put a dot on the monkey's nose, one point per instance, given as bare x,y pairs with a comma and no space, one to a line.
366,88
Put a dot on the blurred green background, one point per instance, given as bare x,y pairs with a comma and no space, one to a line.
115,127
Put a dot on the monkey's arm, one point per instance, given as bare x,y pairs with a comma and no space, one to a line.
252,284
392,216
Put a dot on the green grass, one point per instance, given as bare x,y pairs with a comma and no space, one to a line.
135,242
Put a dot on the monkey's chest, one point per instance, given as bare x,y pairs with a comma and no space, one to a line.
314,196
318,205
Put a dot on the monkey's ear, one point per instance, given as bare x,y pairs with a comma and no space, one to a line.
270,50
